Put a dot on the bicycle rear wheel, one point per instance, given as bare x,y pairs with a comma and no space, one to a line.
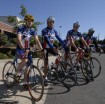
8,73
35,83
95,66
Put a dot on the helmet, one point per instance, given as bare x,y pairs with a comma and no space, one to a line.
76,24
29,17
50,18
91,30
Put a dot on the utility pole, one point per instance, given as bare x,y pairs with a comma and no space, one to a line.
98,36
60,31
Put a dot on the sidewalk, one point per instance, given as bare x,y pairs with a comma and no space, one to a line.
17,92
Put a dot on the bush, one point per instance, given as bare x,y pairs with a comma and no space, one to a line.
3,56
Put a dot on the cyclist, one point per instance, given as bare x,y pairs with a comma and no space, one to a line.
48,34
72,40
24,33
90,39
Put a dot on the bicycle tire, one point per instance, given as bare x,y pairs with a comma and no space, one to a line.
87,71
69,74
97,65
40,64
35,81
8,74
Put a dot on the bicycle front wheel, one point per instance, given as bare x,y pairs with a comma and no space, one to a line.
86,69
8,73
40,64
95,66
35,83
66,74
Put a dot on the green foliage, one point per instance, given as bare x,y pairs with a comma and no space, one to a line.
3,39
13,40
3,56
56,43
32,42
40,38
36,24
23,11
11,19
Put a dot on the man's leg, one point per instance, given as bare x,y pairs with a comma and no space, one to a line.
46,63
80,54
45,67
23,62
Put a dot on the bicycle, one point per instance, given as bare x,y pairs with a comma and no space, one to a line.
60,70
94,64
34,76
83,64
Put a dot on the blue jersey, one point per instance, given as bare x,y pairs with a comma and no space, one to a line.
26,34
89,38
48,36
74,34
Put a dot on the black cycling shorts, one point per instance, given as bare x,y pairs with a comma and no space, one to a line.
49,50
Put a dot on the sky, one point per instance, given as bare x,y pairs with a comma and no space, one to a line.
89,13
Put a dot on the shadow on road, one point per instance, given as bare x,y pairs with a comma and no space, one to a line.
11,94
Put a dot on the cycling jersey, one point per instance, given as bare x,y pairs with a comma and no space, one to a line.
74,34
48,36
89,39
26,34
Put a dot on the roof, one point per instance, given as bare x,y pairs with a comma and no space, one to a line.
4,19
6,27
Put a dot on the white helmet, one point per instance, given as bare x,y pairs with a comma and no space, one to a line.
91,30
50,18
76,24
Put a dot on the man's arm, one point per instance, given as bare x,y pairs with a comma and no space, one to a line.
84,42
72,43
38,42
19,41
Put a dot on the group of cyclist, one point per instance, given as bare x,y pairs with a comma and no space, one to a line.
25,32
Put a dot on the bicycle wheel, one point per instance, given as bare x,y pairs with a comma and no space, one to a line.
67,74
40,64
95,66
86,69
35,83
8,73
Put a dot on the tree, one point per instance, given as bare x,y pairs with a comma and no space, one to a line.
11,19
3,39
23,11
40,38
36,24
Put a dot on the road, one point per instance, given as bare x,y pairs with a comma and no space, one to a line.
57,93
90,93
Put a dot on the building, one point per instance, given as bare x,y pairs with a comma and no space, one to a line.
4,19
7,28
